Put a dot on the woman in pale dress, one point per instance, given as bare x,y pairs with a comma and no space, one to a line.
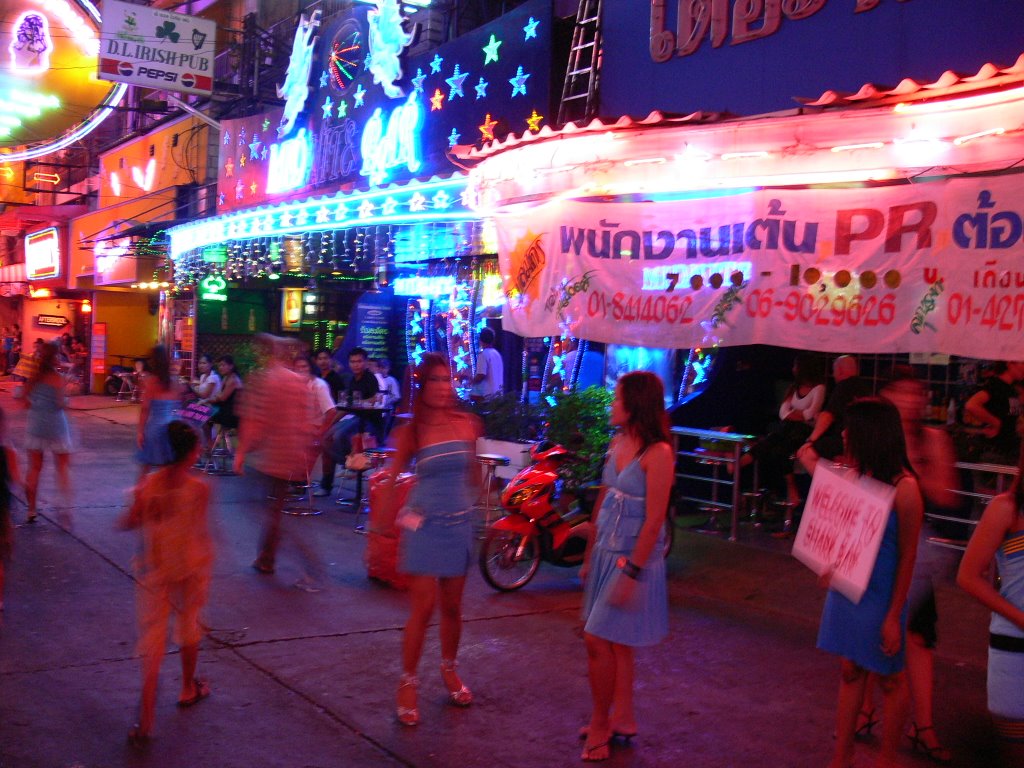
47,431
161,399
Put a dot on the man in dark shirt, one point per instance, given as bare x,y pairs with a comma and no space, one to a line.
827,436
994,406
337,442
325,370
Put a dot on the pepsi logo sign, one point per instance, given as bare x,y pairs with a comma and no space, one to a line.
125,68
188,80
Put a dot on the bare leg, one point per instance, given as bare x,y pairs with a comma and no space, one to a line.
852,682
895,699
189,661
150,677
451,631
63,462
920,677
622,700
423,595
35,467
601,668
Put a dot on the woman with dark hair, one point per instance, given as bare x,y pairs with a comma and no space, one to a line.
1000,535
225,398
161,397
870,635
626,602
48,429
436,547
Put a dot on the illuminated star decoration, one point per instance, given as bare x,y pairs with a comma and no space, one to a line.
366,62
531,28
229,168
481,89
491,50
266,124
435,64
360,94
241,160
239,191
417,82
487,129
241,138
323,79
455,83
342,108
328,107
227,138
441,200
453,138
254,188
436,100
254,148
533,121
388,207
417,203
264,153
518,83
366,209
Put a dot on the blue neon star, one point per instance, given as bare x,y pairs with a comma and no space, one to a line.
491,50
360,94
342,108
227,138
481,89
455,83
435,64
453,138
367,61
241,138
328,107
518,82
254,148
323,79
417,82
531,28
265,153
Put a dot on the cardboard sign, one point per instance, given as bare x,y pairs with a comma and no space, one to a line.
842,527
197,413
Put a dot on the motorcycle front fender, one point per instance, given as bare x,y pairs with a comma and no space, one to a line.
514,524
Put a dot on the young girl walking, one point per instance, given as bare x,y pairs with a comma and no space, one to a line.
173,570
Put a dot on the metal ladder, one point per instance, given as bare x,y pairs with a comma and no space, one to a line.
580,89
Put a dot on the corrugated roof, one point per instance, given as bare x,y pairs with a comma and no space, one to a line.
870,94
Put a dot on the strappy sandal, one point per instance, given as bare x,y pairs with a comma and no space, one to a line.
937,754
137,738
408,715
619,737
864,729
594,754
461,696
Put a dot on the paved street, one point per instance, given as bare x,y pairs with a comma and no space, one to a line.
307,680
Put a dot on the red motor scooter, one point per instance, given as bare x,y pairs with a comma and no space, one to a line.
540,523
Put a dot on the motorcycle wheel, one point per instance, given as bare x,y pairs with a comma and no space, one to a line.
112,386
499,564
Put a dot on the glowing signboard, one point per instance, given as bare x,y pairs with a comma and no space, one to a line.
289,163
396,145
387,41
424,287
50,96
42,254
295,89
213,288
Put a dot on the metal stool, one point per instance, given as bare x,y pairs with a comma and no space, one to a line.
296,494
714,507
221,456
378,458
753,504
490,462
786,508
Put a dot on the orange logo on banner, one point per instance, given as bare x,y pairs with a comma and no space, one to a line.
527,260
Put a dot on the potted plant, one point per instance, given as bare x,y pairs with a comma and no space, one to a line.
509,430
579,421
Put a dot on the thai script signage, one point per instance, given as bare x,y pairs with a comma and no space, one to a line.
842,527
42,254
929,267
754,57
157,49
48,101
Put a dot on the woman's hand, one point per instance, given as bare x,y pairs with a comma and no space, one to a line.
825,578
584,571
891,636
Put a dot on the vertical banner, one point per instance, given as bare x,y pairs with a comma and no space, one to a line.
842,527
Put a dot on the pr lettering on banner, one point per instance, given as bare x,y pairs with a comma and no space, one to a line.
842,527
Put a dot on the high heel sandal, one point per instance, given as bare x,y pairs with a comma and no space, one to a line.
408,715
461,696
864,729
937,754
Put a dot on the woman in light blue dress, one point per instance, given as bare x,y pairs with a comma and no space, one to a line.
161,400
47,430
626,601
870,635
1000,535
436,525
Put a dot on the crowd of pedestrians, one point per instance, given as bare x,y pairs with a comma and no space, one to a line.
287,417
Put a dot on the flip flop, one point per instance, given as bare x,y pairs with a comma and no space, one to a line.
136,738
202,691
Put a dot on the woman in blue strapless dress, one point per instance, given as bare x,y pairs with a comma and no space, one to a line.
1000,535
47,431
436,525
161,399
870,635
626,602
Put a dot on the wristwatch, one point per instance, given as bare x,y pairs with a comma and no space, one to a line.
628,568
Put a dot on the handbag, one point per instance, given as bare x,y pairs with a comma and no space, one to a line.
383,534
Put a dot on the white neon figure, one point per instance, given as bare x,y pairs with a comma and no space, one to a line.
397,144
387,40
145,180
31,44
295,89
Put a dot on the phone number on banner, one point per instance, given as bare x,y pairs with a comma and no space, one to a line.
822,310
674,310
1000,313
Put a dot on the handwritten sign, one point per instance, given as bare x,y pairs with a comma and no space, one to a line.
842,527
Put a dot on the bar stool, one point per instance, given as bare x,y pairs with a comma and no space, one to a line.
753,504
490,462
786,509
378,458
716,461
220,456
296,494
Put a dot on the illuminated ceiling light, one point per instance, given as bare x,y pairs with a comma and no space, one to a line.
959,140
966,102
86,306
646,161
743,155
854,147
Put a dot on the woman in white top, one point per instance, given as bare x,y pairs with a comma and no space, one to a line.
208,383
800,407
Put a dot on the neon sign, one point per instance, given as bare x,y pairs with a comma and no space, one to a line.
42,254
295,89
31,44
387,41
289,163
425,287
213,288
394,147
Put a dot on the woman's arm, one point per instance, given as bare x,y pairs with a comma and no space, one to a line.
976,408
998,520
598,503
808,457
230,385
909,511
147,399
938,478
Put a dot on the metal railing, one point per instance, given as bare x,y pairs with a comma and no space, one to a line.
1003,475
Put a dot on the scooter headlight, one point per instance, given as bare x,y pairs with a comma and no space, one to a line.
523,495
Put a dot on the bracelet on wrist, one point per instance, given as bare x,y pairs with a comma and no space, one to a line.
628,567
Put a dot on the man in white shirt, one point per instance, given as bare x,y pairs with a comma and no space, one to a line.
490,370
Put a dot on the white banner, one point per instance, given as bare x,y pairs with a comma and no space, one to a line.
924,267
157,49
842,527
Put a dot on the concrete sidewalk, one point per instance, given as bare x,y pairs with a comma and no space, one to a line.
309,679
